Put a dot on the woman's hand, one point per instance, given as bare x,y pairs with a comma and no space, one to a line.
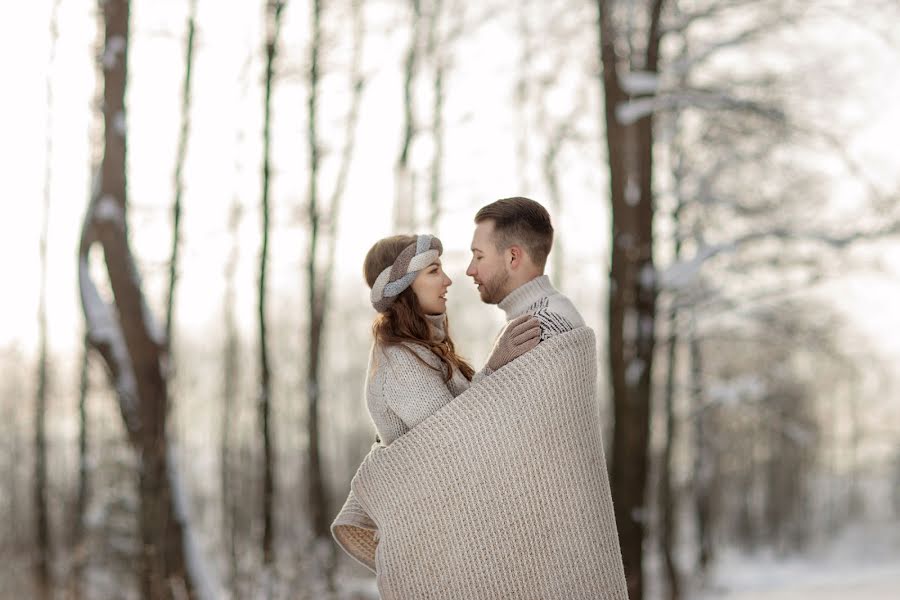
521,335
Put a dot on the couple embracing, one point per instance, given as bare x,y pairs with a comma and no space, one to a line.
489,484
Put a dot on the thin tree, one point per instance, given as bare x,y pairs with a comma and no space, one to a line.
77,541
555,134
404,178
180,156
703,471
436,52
322,240
632,301
231,365
42,563
127,338
230,377
274,10
667,497
522,92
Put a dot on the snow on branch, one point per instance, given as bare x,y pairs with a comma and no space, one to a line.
108,210
105,333
709,99
735,391
635,110
639,83
682,274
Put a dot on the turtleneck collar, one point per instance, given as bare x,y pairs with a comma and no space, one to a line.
437,326
518,300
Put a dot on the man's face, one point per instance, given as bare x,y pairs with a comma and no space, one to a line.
488,267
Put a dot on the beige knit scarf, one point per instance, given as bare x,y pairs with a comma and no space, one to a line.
503,493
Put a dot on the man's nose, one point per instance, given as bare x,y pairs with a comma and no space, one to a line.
471,270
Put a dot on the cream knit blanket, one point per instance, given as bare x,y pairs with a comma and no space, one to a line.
503,493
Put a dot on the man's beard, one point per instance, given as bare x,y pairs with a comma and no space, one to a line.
493,291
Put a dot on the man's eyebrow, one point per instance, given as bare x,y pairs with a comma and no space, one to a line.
474,249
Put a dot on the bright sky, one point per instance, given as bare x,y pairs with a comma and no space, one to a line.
480,163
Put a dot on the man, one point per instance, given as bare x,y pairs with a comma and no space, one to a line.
512,239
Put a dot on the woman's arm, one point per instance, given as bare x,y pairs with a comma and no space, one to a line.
412,390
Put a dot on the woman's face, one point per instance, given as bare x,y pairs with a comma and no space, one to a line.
430,287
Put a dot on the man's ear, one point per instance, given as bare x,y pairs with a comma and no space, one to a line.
515,256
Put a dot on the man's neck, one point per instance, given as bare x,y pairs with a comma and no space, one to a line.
517,301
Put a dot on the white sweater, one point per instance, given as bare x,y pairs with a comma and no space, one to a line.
538,297
401,392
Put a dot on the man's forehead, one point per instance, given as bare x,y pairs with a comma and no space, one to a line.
483,231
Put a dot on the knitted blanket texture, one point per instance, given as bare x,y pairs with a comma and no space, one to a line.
502,493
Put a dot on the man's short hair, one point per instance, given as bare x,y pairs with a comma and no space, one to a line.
520,221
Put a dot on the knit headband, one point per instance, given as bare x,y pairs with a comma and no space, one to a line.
402,273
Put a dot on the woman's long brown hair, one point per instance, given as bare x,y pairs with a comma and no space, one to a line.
404,321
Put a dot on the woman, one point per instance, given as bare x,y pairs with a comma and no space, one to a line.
414,369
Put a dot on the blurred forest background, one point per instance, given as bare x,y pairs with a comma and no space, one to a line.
191,188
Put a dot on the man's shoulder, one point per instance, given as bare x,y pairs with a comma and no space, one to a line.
557,314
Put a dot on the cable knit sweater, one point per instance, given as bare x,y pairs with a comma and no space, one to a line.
401,392
538,297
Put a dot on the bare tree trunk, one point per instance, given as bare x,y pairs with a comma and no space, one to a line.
522,94
274,9
702,461
317,496
557,135
668,498
632,305
437,52
231,460
179,179
78,544
404,203
15,513
855,504
42,564
323,226
130,343
229,394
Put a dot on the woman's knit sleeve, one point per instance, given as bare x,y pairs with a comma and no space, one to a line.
413,390
481,374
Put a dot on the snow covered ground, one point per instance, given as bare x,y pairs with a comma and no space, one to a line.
862,564
801,579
